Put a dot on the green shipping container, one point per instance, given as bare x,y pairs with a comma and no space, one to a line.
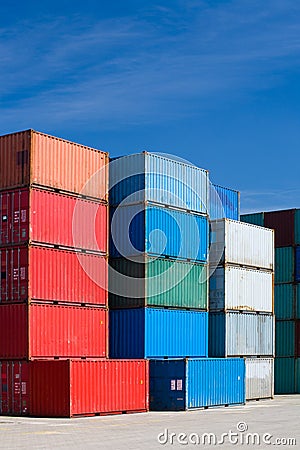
284,301
158,282
285,338
284,375
297,295
284,265
255,219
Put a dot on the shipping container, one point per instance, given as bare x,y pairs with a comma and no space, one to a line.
254,218
48,331
242,244
238,288
284,265
284,222
284,301
30,158
297,376
154,178
297,338
297,299
14,388
157,282
223,202
136,230
285,338
157,333
72,388
46,274
40,216
182,384
285,376
241,334
297,264
259,378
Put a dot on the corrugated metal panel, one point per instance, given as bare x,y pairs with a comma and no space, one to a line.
70,388
15,159
41,273
255,218
195,383
241,243
284,375
215,382
47,331
14,388
159,282
297,264
259,378
156,333
241,334
284,301
31,157
284,265
158,231
284,224
34,215
285,338
223,202
158,179
237,288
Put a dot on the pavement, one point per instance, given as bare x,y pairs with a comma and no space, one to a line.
257,425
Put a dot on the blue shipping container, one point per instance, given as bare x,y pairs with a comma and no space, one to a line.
178,385
223,203
157,333
155,178
156,231
297,264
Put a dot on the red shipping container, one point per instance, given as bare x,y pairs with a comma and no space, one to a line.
40,216
283,223
14,388
30,158
48,331
46,274
69,388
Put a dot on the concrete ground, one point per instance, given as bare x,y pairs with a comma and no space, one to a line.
270,419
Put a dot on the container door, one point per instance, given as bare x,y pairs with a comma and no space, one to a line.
20,388
18,275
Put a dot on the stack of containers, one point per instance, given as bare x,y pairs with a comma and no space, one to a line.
54,276
241,320
158,282
287,295
223,203
158,255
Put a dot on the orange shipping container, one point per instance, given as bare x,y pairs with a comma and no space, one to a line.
31,158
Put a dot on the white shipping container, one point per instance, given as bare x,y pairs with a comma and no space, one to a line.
259,378
241,243
233,288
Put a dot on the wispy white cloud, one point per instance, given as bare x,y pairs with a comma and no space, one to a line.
269,200
163,63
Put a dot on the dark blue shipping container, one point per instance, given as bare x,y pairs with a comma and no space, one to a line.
181,384
157,231
224,203
158,333
297,264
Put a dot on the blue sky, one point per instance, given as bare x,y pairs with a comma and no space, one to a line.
214,82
